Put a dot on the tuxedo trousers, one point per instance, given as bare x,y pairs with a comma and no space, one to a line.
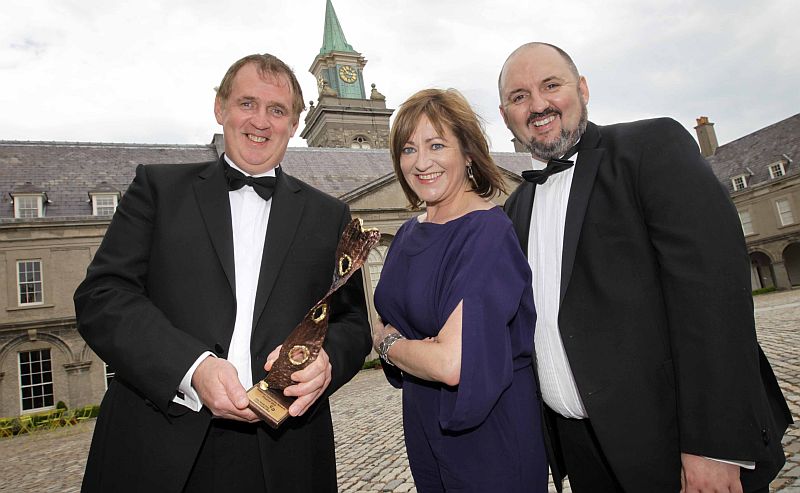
229,460
586,466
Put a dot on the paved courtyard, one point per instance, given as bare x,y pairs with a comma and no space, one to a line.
369,438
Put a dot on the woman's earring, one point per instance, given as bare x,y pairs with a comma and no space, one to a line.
470,175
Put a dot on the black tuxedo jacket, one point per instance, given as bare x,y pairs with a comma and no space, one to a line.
160,291
656,313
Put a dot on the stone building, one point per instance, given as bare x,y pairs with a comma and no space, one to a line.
344,116
57,199
762,172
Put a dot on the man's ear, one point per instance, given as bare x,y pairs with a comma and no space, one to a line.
503,114
218,109
583,88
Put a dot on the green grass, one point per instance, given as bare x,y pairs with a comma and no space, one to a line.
764,290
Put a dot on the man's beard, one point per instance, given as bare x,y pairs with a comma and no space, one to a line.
558,147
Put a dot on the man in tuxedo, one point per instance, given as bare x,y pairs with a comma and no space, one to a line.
204,271
649,368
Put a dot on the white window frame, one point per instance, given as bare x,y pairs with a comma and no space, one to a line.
785,215
110,374
34,281
747,226
45,377
96,206
22,199
776,170
736,187
375,261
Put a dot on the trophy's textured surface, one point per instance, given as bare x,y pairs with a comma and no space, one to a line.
302,346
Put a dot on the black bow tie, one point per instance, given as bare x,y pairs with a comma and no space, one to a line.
554,165
263,185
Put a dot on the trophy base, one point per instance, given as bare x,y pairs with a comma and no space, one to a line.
270,405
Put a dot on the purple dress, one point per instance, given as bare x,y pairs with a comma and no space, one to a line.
484,434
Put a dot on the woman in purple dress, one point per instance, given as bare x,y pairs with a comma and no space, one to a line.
455,297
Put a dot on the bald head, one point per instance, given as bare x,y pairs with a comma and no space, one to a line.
531,50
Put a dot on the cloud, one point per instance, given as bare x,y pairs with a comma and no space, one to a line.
144,72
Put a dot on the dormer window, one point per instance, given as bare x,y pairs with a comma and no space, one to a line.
29,201
739,182
776,170
104,204
104,199
27,206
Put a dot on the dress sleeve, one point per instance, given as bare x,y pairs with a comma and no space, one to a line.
492,277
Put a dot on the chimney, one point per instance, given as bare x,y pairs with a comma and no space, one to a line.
706,136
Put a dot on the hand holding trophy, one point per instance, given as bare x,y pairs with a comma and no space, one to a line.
302,346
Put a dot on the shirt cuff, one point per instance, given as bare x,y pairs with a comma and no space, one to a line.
186,394
745,464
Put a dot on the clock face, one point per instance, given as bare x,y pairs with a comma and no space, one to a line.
348,74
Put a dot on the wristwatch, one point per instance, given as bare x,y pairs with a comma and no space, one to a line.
386,344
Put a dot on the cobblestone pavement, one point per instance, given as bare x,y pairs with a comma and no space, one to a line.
367,419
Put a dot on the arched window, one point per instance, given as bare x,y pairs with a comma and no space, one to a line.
375,264
360,142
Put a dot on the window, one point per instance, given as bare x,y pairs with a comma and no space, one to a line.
375,264
27,206
109,375
784,212
747,223
739,182
36,379
29,282
360,142
776,170
104,204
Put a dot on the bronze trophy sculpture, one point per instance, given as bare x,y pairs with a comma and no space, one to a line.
302,346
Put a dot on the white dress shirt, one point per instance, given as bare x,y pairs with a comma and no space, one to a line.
249,218
545,247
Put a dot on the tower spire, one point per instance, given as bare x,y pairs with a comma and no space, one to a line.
346,116
333,38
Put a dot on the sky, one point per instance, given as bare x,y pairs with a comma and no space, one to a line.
112,71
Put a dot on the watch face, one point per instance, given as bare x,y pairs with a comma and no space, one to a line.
348,74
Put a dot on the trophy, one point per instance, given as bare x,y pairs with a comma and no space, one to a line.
302,346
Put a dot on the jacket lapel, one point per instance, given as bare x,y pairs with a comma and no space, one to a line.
284,218
589,156
211,193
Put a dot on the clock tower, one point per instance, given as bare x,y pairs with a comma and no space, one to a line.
345,115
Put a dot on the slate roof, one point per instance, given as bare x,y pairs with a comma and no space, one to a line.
754,153
68,171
